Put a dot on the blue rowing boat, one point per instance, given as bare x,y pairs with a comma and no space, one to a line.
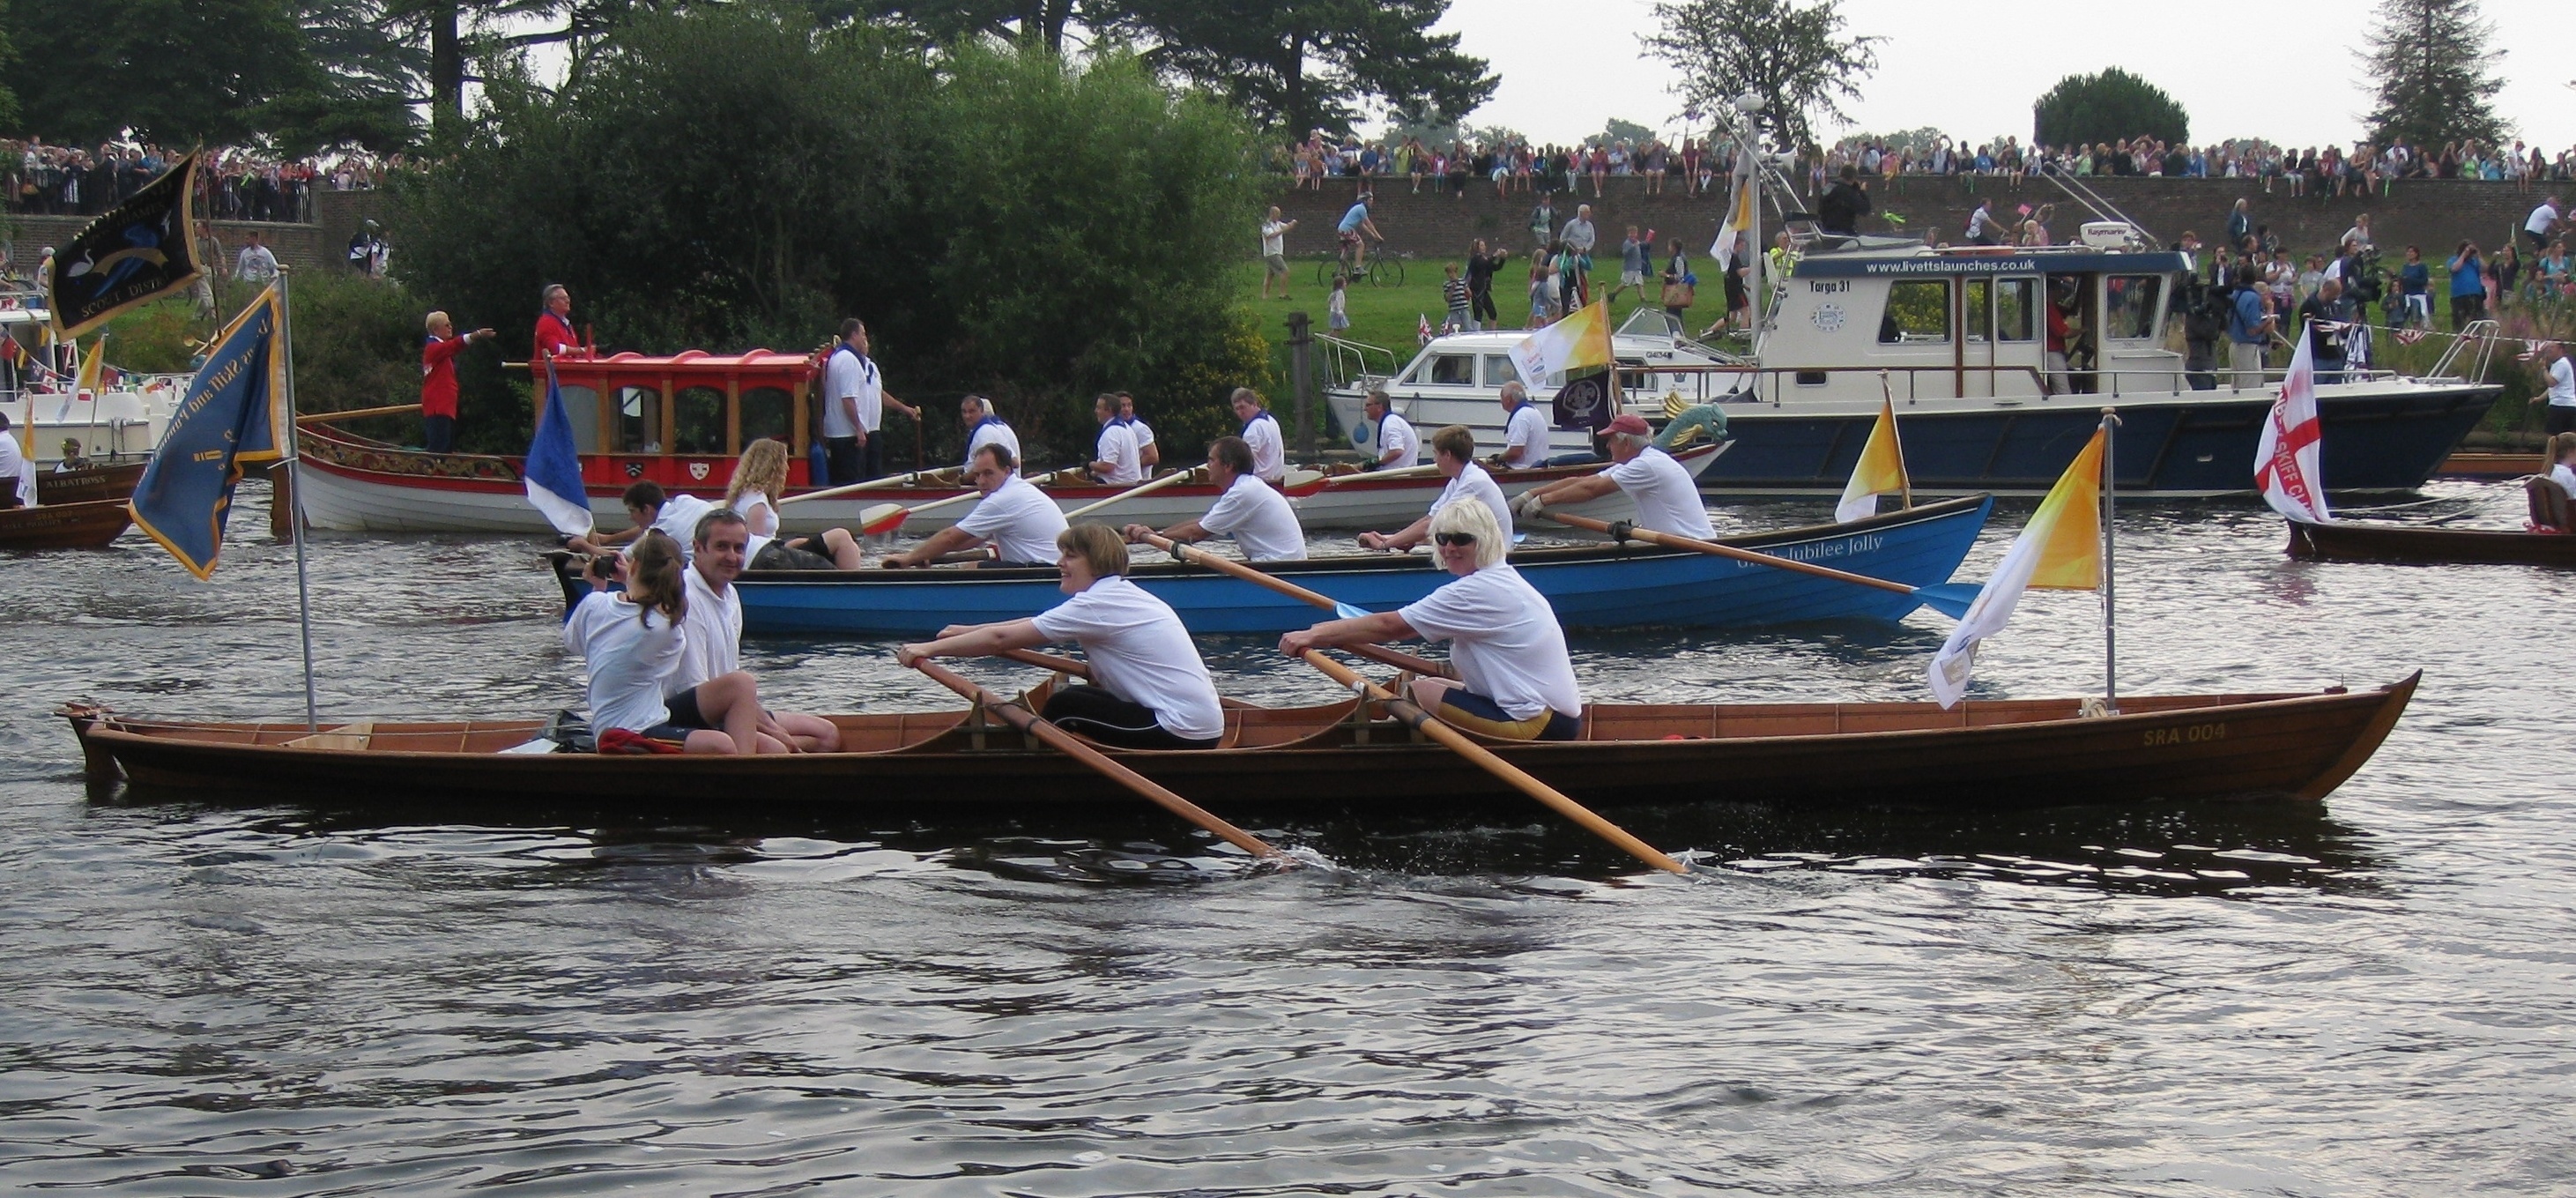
1592,586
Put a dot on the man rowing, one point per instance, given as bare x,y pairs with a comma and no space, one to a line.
648,507
1014,517
983,428
1149,690
1524,430
1115,458
1667,497
1256,515
1515,680
1261,432
1398,446
711,638
1453,453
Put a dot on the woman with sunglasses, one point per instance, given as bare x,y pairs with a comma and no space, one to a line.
1515,680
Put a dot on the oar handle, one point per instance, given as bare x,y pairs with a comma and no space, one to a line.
1410,713
1048,661
352,414
1670,541
1131,492
1065,742
1381,655
874,484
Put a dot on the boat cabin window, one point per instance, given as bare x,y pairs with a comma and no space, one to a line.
697,421
2129,306
767,412
1979,313
1918,312
1446,370
581,406
2013,308
638,421
1498,370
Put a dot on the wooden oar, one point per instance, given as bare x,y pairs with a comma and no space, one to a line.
887,517
1423,721
1377,653
1949,598
1177,476
1065,742
354,414
1382,475
876,484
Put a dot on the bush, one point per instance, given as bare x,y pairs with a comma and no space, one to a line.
2112,106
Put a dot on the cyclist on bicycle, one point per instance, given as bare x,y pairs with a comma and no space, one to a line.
1355,222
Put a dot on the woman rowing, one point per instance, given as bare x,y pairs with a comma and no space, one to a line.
1149,689
632,642
1667,498
758,479
1515,680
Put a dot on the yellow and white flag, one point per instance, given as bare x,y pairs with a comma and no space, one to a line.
93,367
1577,343
1880,470
2059,550
1739,216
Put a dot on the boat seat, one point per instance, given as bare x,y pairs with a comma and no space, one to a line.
346,736
2550,507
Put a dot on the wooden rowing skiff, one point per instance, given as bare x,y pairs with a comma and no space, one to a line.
64,525
2365,541
1983,753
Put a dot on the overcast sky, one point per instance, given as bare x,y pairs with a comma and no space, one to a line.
2289,73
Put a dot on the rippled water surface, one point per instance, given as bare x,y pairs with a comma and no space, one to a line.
2366,996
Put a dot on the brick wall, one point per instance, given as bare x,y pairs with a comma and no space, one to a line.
320,244
2434,213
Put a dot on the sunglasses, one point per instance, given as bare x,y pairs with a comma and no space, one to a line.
1454,538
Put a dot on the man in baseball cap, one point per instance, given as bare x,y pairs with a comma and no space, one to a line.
1667,500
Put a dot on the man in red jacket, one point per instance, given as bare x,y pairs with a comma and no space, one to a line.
438,380
554,325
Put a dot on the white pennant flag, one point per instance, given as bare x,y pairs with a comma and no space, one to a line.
2286,452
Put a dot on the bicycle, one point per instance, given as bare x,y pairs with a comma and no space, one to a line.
1383,269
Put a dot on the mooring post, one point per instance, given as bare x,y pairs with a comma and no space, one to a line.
1301,355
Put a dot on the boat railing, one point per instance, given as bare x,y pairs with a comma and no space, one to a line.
1344,363
2480,332
1776,384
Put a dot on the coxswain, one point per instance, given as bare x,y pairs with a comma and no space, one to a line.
1143,432
760,474
631,641
17,470
1261,432
554,323
438,380
983,428
1017,519
1148,688
711,638
1667,497
1453,453
1251,511
72,459
1515,680
1398,446
1524,431
1114,459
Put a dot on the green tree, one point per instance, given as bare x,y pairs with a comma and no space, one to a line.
2112,106
1032,22
175,71
8,57
1300,64
1631,132
2430,64
1795,60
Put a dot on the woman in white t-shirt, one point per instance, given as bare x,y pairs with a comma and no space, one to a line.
1148,690
1515,680
631,641
760,474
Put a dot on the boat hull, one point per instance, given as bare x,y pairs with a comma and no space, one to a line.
1612,586
348,487
90,485
2356,541
64,525
1981,754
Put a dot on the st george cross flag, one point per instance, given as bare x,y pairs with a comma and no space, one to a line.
553,468
2059,550
1880,470
2286,451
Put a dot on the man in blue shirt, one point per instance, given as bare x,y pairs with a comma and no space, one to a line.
2468,286
2249,329
1355,222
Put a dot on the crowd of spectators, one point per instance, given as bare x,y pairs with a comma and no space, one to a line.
238,184
2328,171
1509,166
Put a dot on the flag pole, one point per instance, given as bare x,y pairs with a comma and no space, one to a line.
1904,477
2110,632
293,461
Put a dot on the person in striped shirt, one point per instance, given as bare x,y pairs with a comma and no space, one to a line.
1454,290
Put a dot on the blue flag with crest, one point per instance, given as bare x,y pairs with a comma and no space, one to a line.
236,411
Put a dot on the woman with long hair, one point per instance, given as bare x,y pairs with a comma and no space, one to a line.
631,641
757,479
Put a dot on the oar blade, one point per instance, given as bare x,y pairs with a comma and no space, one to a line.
882,519
1949,598
1347,612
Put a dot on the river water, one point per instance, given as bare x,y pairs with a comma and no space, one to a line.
2366,996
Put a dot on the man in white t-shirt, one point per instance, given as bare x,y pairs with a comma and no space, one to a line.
1398,446
1453,453
1114,457
1261,432
1149,689
17,470
845,386
711,637
1515,678
2561,395
1274,252
2537,227
257,265
1524,430
1246,508
647,506
1017,519
1667,498
864,400
1143,432
984,428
